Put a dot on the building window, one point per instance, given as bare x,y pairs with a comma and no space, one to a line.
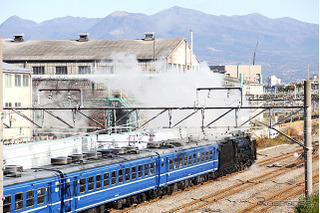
107,69
84,70
8,104
38,70
8,80
25,80
61,70
17,80
17,104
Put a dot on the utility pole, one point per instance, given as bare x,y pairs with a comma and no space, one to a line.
191,48
307,138
1,129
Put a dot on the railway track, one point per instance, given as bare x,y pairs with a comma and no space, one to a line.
260,163
204,201
280,196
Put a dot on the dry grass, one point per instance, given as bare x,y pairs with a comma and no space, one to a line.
296,132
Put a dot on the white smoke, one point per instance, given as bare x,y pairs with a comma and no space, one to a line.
170,87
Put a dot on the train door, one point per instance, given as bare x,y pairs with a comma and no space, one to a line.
51,207
163,171
67,194
75,185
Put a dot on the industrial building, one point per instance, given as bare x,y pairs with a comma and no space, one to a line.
85,56
17,92
246,73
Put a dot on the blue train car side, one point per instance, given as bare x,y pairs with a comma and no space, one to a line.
115,181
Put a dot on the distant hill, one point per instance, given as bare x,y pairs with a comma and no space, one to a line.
285,46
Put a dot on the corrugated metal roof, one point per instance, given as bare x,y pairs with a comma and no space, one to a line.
90,50
9,68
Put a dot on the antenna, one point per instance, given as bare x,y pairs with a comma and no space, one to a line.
254,54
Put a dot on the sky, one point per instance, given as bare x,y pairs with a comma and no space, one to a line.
41,10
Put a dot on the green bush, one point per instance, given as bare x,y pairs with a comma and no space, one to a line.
310,205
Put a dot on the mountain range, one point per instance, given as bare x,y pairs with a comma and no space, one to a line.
285,46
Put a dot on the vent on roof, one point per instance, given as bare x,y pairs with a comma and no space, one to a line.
18,37
13,170
83,37
149,36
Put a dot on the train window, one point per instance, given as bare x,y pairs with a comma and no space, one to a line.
120,175
207,155
151,168
113,177
194,158
134,173
30,198
106,179
127,174
186,160
190,159
82,185
176,163
211,154
7,204
98,181
18,201
140,171
146,169
203,156
171,163
90,183
199,157
181,161
41,195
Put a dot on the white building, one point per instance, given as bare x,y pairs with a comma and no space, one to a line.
274,81
17,92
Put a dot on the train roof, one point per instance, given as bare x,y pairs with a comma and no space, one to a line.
51,170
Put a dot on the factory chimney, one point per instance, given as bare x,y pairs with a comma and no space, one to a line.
149,36
83,37
18,37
